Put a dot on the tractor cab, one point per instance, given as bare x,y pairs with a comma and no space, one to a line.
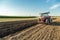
45,14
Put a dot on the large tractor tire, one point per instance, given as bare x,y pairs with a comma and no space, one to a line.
48,21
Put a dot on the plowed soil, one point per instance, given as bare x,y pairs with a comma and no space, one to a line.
37,32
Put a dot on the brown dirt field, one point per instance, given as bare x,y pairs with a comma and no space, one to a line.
38,32
7,28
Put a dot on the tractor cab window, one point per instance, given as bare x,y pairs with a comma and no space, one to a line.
45,15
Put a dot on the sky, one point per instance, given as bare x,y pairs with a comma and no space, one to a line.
29,7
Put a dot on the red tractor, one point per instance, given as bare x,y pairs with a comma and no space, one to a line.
45,18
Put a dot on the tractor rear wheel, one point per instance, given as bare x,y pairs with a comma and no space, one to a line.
48,21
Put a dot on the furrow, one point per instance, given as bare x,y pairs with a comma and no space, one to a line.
26,32
43,33
56,34
46,37
51,34
34,34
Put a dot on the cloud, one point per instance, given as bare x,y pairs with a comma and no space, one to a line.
48,0
54,6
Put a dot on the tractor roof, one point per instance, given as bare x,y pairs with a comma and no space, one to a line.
45,13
